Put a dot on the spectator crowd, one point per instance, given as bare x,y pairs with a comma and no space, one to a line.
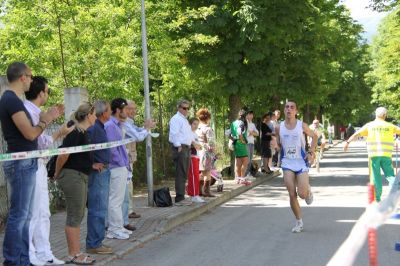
101,180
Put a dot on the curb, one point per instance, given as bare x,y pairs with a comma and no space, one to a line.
173,221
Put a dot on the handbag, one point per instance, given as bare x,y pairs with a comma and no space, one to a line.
162,198
51,166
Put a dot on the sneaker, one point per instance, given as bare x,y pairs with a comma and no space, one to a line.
36,262
197,199
100,250
310,198
126,231
239,180
55,261
243,181
117,235
184,202
298,228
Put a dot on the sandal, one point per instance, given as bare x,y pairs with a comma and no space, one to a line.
267,172
80,259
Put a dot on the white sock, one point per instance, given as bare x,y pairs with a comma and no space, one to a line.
300,221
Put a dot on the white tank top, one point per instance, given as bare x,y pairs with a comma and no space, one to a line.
293,147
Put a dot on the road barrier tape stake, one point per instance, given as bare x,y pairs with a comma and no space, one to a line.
397,150
372,234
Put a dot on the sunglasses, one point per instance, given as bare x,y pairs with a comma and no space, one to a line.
185,108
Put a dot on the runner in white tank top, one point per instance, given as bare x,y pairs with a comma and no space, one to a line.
295,171
293,154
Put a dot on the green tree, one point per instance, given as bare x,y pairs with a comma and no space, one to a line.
384,5
385,76
91,44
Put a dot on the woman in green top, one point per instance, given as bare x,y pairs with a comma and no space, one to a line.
238,134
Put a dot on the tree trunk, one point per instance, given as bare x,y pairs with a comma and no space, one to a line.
307,114
234,107
161,140
62,52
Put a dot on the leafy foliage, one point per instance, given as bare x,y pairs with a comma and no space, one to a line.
221,54
384,5
385,75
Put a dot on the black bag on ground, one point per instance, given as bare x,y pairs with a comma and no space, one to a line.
162,198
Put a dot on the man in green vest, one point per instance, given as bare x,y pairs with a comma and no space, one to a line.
380,141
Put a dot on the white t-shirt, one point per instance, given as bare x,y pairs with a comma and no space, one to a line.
250,128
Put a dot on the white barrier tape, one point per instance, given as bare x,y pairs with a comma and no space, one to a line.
373,217
57,151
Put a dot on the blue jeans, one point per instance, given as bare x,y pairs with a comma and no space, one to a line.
250,147
125,206
20,176
98,190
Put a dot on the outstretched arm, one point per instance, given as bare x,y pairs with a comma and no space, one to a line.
363,130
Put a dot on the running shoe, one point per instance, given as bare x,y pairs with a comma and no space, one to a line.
128,228
244,182
298,228
310,197
55,261
35,261
117,235
197,199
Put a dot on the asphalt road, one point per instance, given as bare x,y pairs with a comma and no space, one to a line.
255,228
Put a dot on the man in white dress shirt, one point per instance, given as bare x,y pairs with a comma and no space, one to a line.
138,133
180,137
39,228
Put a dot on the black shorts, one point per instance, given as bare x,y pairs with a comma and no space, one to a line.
266,149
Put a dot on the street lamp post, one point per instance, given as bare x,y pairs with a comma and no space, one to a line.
149,158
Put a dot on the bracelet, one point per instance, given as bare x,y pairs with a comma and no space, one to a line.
41,127
42,124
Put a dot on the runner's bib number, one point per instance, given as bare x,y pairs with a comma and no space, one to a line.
291,153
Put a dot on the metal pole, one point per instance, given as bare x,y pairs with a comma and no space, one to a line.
397,153
149,158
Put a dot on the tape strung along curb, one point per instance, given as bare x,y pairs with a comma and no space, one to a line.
57,151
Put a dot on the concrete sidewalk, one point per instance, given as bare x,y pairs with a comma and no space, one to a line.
154,221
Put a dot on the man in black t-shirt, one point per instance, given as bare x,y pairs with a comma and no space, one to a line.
20,135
